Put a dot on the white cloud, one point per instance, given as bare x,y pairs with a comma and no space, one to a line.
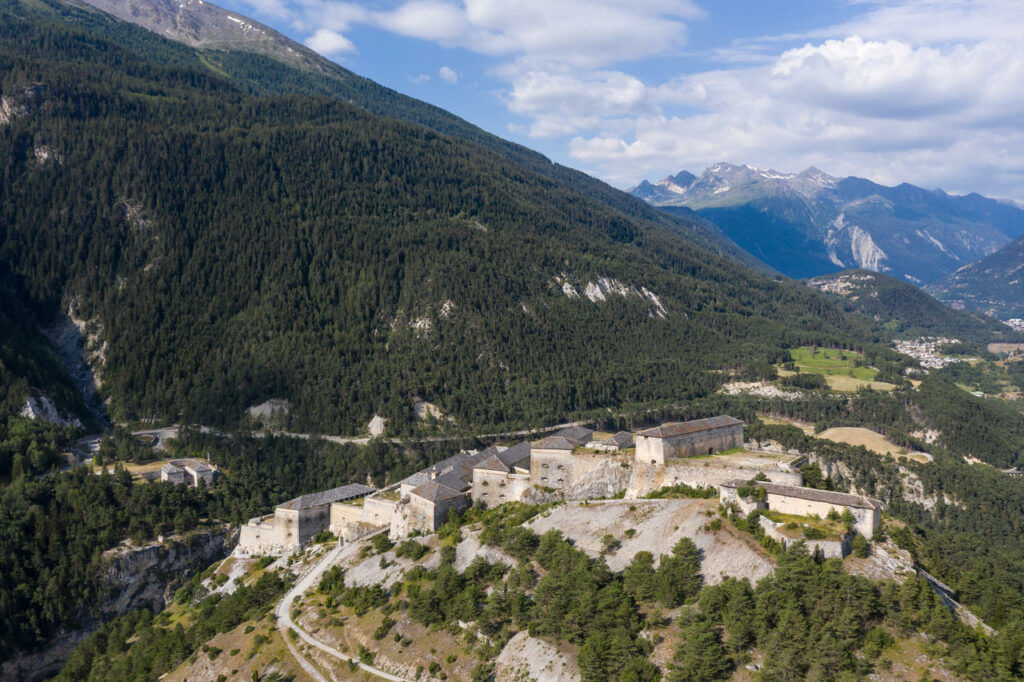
329,43
922,107
582,33
565,102
421,78
925,91
448,75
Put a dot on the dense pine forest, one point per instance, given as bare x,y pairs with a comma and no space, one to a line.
231,248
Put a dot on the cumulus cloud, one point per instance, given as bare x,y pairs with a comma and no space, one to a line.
448,75
925,91
885,109
329,43
563,102
581,33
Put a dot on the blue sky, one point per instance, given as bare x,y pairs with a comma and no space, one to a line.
923,91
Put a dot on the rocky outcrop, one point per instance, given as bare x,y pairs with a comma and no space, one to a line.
138,577
607,480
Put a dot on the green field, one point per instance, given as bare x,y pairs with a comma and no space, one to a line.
831,361
838,367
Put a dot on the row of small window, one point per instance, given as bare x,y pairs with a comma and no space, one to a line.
560,466
544,478
486,495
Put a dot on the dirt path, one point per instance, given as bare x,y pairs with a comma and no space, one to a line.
285,622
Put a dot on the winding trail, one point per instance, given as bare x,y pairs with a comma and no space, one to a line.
285,622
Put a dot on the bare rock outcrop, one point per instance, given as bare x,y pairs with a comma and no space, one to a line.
137,578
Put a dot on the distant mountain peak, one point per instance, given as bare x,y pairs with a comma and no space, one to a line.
811,223
205,25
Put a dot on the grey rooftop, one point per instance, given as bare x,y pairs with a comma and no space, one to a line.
826,496
345,492
683,428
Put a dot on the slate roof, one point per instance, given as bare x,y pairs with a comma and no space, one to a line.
622,439
170,469
194,464
580,434
826,496
515,455
435,492
454,481
555,443
419,478
683,428
345,492
492,463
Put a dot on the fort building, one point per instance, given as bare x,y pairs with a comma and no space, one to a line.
688,439
295,522
799,501
504,476
187,471
620,441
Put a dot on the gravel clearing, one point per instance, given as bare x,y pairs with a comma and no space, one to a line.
529,658
658,525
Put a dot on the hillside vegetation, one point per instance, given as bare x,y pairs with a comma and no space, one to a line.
990,285
908,312
231,248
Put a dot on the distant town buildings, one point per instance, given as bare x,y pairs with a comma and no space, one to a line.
926,351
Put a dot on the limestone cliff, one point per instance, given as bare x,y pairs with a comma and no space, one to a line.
138,577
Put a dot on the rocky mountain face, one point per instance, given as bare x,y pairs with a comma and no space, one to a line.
993,285
202,24
810,223
137,578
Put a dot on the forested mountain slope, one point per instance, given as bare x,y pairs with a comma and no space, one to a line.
259,60
907,311
990,285
233,247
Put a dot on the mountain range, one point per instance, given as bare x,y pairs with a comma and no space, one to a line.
811,223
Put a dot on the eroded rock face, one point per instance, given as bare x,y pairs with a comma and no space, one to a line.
607,480
138,577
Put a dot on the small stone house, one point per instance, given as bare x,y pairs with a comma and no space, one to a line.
688,439
169,473
187,471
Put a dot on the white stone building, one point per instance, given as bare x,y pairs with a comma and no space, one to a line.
800,501
295,522
688,439
187,471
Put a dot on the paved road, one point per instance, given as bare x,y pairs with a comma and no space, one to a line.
285,622
166,432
